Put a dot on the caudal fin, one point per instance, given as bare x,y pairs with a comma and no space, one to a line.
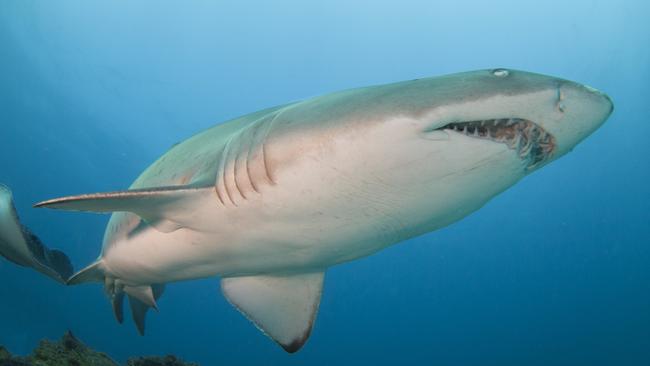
19,245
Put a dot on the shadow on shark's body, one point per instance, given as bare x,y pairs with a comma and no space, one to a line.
270,200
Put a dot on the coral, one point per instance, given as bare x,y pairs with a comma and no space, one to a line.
69,351
158,361
4,354
7,360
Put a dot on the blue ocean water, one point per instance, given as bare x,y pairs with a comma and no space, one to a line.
555,271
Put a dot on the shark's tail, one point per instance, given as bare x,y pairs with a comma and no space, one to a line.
22,247
19,245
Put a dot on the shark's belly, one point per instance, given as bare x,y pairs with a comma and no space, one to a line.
329,206
356,200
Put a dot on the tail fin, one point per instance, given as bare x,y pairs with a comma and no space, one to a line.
21,246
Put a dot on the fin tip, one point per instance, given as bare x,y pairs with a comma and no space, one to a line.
296,345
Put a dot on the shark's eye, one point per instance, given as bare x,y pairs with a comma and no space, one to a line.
500,73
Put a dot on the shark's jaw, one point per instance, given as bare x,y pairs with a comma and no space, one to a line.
531,142
369,168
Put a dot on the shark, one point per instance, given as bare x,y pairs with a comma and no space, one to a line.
269,201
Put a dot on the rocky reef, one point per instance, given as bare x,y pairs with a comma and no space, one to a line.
69,351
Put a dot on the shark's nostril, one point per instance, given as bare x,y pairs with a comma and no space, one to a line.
560,99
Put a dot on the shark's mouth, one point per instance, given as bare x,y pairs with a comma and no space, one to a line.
531,142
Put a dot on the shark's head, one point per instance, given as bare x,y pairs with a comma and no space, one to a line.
539,117
480,132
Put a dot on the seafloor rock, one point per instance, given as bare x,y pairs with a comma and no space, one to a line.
69,351
158,361
4,354
7,360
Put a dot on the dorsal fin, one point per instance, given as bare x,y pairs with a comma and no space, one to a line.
283,307
156,206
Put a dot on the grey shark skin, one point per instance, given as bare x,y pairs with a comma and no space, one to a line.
270,200
20,246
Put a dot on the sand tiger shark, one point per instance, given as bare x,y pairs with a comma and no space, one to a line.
269,201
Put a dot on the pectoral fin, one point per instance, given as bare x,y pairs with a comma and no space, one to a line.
282,307
165,208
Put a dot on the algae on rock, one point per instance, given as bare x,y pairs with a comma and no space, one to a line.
69,351
158,361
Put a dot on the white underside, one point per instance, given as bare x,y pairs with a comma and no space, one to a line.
295,189
347,200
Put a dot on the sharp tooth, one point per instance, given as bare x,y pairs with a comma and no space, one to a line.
465,129
514,143
476,132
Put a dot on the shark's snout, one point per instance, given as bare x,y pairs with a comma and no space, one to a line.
539,117
580,110
593,97
599,94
